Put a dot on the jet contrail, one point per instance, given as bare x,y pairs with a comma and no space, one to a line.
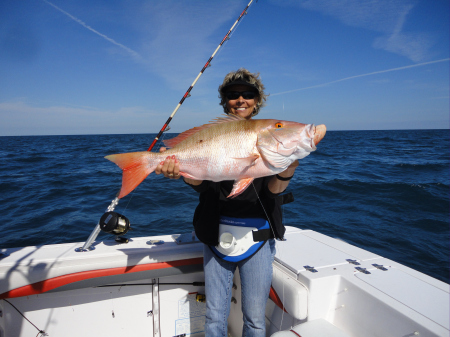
356,76
130,51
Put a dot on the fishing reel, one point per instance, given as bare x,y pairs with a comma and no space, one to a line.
115,223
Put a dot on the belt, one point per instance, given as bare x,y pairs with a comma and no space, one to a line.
239,238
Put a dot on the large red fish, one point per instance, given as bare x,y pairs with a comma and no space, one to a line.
229,148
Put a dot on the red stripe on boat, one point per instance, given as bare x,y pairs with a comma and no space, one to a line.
276,299
59,281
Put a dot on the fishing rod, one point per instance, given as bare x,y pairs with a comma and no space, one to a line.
115,223
207,64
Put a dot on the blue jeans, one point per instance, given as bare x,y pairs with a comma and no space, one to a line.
256,279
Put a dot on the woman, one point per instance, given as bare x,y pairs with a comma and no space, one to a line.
242,94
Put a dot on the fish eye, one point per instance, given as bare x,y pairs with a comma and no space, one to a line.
278,125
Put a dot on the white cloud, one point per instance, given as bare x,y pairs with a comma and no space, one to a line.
414,46
363,75
384,16
20,117
133,53
176,37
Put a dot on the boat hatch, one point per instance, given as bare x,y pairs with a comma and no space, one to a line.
428,300
295,252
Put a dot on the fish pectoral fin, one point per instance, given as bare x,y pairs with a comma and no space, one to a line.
240,186
248,161
187,175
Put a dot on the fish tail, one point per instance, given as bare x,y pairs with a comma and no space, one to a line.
135,166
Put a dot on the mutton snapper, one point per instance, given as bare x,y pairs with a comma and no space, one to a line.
229,148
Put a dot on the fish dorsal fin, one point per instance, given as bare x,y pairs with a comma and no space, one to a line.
226,119
186,134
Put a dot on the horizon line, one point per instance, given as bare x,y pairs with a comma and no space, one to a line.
154,133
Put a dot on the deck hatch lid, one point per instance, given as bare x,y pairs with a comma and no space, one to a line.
416,294
300,250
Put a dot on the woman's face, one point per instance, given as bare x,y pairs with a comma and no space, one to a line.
241,106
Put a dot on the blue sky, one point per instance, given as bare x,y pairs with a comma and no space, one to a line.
110,66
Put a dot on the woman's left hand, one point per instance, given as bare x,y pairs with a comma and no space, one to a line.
276,185
289,172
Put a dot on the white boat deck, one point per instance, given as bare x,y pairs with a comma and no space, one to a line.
151,289
357,296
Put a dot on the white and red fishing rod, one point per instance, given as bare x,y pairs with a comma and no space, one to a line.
188,92
115,223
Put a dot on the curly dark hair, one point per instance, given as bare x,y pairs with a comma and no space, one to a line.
253,80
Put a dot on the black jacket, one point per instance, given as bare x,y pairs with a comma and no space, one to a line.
214,203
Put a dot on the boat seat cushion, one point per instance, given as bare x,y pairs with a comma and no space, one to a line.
316,328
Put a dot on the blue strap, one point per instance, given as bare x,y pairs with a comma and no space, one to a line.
258,223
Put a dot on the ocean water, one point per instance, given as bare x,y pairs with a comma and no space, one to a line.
384,191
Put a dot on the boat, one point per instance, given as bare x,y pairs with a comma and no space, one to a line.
154,286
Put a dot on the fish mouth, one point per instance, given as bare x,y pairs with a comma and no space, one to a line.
319,133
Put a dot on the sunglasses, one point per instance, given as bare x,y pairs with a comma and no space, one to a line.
231,95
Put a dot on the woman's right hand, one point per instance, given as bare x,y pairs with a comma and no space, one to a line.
170,167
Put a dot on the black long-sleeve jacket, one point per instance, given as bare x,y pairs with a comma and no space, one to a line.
214,203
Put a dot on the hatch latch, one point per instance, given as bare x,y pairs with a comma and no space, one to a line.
362,270
311,269
379,266
356,263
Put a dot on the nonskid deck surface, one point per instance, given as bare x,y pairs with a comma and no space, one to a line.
150,285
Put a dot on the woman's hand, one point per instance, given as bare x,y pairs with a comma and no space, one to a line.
289,172
276,185
169,167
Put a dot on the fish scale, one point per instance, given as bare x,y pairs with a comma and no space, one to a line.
212,150
229,148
